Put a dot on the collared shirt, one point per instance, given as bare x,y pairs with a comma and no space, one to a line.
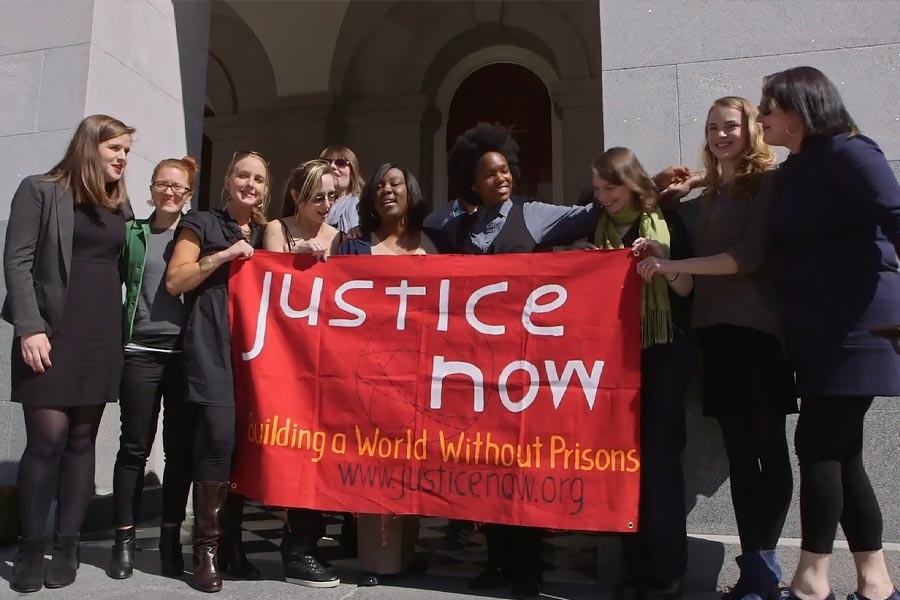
439,218
344,215
548,224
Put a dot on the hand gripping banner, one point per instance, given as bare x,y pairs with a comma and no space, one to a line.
489,388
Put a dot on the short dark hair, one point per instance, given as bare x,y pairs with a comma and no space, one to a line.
468,149
809,92
416,209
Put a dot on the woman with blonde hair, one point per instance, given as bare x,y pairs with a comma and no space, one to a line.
656,556
748,383
153,374
206,242
64,300
308,197
348,185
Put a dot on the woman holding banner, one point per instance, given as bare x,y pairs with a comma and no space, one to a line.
308,196
391,212
836,220
655,557
484,162
748,383
206,242
153,374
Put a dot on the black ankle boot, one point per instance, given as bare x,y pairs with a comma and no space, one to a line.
171,560
121,564
28,573
232,558
64,562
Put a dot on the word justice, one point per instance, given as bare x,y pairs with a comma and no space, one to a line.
403,291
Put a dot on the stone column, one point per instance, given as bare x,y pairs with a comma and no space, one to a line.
141,61
580,102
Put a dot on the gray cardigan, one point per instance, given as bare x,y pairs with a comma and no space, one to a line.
37,257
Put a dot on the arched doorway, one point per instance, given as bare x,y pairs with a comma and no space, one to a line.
514,96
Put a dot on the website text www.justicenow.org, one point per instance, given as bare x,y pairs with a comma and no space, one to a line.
449,481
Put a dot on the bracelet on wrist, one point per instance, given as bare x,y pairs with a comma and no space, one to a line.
673,279
207,264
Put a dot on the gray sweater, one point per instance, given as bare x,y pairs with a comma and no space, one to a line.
741,228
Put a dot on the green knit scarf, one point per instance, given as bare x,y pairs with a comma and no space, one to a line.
656,312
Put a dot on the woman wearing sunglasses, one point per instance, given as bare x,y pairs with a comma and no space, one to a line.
153,372
309,195
206,242
836,219
344,214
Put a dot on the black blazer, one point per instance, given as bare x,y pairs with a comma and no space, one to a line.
37,257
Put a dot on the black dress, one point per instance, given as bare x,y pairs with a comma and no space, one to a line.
86,347
207,335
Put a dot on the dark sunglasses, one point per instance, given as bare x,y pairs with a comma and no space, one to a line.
342,163
766,106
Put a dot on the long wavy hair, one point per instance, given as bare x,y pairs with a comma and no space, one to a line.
306,180
620,166
757,157
259,212
80,169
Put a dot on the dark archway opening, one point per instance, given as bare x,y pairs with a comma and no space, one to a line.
513,96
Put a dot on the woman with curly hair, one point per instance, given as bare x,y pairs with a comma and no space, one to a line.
484,161
748,383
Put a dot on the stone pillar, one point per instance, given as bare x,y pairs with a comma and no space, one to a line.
580,103
288,134
387,130
143,62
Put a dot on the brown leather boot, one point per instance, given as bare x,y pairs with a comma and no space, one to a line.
209,496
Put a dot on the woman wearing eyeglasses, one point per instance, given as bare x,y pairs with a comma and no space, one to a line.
344,214
153,371
206,242
836,218
309,195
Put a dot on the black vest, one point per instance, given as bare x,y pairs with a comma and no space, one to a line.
514,236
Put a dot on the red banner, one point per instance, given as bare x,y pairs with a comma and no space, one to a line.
488,388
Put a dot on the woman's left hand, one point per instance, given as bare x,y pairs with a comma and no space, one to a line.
654,265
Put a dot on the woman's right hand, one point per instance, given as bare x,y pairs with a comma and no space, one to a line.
647,247
313,247
36,351
240,249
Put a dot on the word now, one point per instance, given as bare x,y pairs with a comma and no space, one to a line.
403,291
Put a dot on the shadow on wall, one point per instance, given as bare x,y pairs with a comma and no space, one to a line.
192,32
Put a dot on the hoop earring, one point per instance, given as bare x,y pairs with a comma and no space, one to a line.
788,131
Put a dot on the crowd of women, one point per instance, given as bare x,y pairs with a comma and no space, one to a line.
782,290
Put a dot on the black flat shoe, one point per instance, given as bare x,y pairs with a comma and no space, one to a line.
490,578
526,586
369,580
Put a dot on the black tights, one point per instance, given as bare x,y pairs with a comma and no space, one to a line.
214,443
834,486
59,455
759,466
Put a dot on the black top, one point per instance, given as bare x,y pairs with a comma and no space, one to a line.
836,221
87,341
207,336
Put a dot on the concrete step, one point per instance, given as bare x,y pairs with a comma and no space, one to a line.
712,566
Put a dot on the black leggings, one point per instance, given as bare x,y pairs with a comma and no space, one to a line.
58,462
147,379
214,443
759,465
834,486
